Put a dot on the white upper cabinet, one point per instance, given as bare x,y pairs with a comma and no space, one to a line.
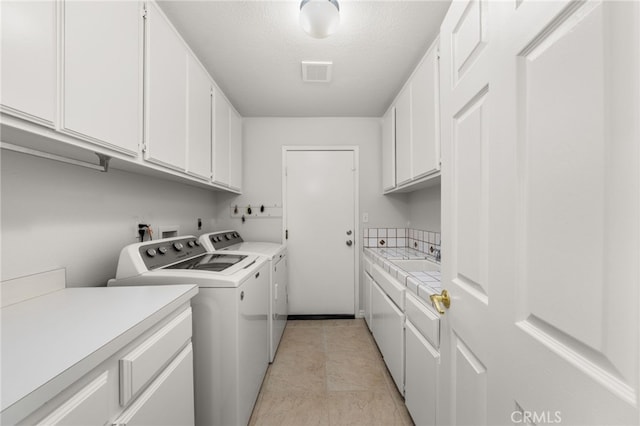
403,136
221,139
29,60
235,150
166,97
102,82
199,136
389,150
417,129
425,116
117,79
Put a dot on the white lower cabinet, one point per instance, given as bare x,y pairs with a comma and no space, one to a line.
388,331
421,385
368,285
148,382
89,406
168,400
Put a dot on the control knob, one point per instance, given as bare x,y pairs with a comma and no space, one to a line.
227,237
162,250
196,242
191,244
178,246
151,252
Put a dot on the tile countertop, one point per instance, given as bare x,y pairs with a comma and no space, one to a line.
422,284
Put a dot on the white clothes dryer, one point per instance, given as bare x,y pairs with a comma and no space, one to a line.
230,315
279,276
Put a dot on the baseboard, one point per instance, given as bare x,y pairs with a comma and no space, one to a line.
321,317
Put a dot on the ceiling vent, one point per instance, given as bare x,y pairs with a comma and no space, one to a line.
316,72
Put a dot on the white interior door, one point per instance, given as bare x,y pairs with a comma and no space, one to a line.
541,213
567,210
320,206
466,334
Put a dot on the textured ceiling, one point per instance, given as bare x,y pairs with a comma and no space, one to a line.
253,50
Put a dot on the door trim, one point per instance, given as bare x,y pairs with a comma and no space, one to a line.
356,210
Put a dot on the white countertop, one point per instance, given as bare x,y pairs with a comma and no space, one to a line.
50,341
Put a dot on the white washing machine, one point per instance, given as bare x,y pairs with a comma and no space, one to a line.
230,319
279,276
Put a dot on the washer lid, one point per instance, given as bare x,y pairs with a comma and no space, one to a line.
213,262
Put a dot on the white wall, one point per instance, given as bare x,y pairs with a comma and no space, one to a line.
57,215
263,139
424,209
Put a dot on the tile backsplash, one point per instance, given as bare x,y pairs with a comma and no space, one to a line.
420,240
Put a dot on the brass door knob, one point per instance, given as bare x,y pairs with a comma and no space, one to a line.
438,300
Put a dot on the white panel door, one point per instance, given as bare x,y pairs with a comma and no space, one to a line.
320,201
166,97
541,213
466,334
28,66
565,183
221,139
425,115
199,138
103,73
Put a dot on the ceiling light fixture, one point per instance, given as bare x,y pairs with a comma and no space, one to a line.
319,18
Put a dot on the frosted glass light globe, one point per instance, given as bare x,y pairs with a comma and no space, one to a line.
319,18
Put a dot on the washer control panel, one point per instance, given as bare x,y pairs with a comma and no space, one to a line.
224,239
156,254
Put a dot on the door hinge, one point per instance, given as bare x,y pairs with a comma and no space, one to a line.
144,11
144,147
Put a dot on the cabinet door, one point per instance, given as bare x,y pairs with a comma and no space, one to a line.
89,406
421,378
235,150
253,344
29,60
221,139
403,136
389,150
169,398
102,96
279,304
388,332
166,103
199,140
368,282
425,116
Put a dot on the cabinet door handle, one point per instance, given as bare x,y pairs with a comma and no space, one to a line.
258,274
437,300
349,243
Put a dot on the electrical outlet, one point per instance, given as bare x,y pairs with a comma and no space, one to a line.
137,220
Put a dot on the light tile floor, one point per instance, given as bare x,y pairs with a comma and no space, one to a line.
328,372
